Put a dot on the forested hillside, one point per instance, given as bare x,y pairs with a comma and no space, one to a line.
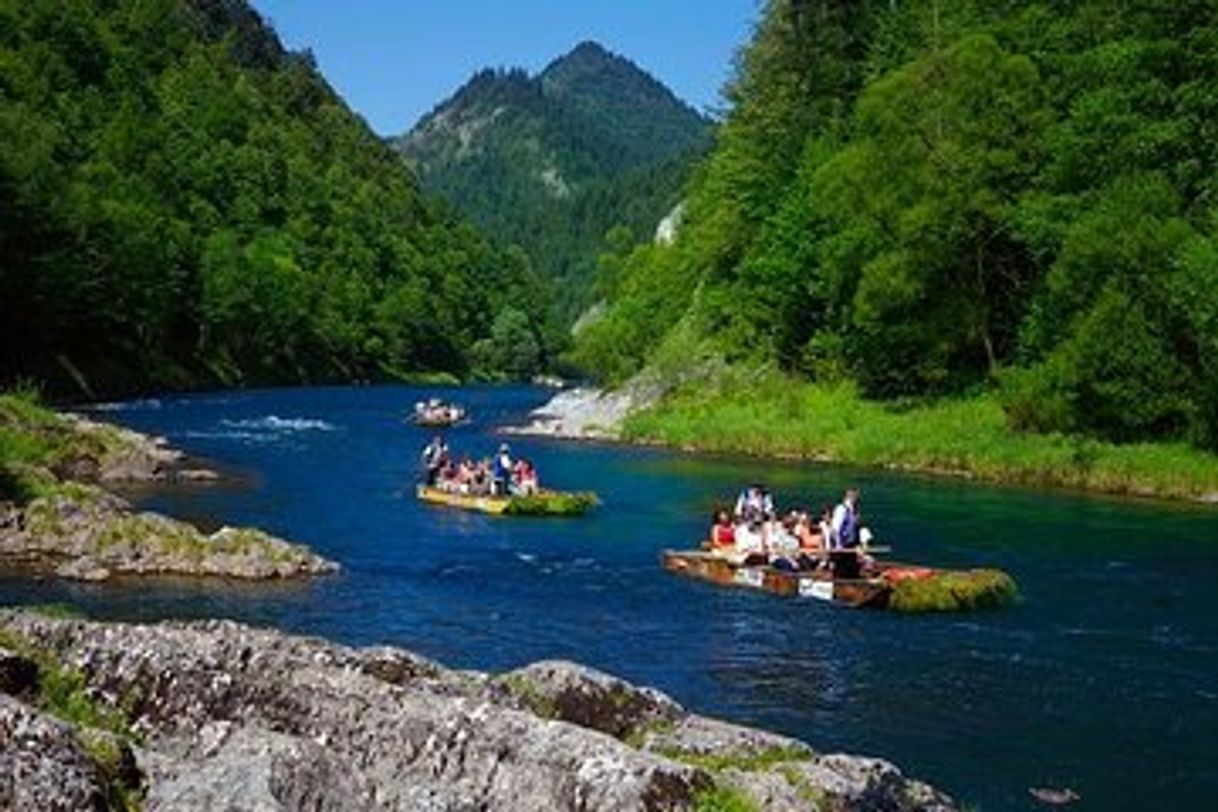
182,202
554,161
942,197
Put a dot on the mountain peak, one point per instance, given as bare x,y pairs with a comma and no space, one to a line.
590,48
590,59
553,160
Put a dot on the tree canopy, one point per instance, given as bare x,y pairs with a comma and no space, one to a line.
182,201
930,196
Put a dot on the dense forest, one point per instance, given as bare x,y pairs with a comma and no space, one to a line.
183,202
941,197
552,162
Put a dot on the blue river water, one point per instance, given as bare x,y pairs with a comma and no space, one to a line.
1104,678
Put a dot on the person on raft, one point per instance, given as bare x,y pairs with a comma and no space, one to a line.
752,535
524,479
498,476
435,457
754,514
847,537
723,532
502,471
436,410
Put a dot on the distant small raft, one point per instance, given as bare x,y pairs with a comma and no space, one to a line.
545,503
899,587
438,422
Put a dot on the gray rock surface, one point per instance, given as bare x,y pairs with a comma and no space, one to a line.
43,767
587,413
589,698
232,717
115,455
84,533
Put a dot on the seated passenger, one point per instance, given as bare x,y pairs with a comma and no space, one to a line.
825,526
754,513
811,538
723,532
447,479
783,536
524,478
465,475
482,481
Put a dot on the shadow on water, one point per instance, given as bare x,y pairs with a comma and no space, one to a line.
1104,678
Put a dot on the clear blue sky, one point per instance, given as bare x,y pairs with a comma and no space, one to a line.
393,60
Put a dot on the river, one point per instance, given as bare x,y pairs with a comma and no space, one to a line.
1104,678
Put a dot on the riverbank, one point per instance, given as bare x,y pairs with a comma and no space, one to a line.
56,518
768,415
217,714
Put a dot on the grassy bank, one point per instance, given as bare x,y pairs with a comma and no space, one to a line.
32,438
770,415
39,448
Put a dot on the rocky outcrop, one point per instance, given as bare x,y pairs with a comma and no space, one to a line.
589,413
85,450
586,413
58,523
666,230
84,533
122,455
228,717
224,716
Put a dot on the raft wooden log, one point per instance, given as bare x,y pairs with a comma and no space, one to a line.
900,587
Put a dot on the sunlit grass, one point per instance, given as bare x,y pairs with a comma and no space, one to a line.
771,415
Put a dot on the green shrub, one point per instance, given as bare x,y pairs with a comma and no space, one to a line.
954,592
1038,398
552,503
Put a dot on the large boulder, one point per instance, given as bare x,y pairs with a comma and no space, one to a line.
231,717
241,718
589,698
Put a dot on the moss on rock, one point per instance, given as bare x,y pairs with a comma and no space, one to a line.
745,762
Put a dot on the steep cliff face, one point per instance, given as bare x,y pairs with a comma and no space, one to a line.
219,715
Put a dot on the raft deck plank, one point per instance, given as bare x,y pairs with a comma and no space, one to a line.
853,592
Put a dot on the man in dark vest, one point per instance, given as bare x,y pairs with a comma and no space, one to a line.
843,546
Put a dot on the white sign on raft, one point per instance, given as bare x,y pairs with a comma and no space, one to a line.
821,590
749,576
